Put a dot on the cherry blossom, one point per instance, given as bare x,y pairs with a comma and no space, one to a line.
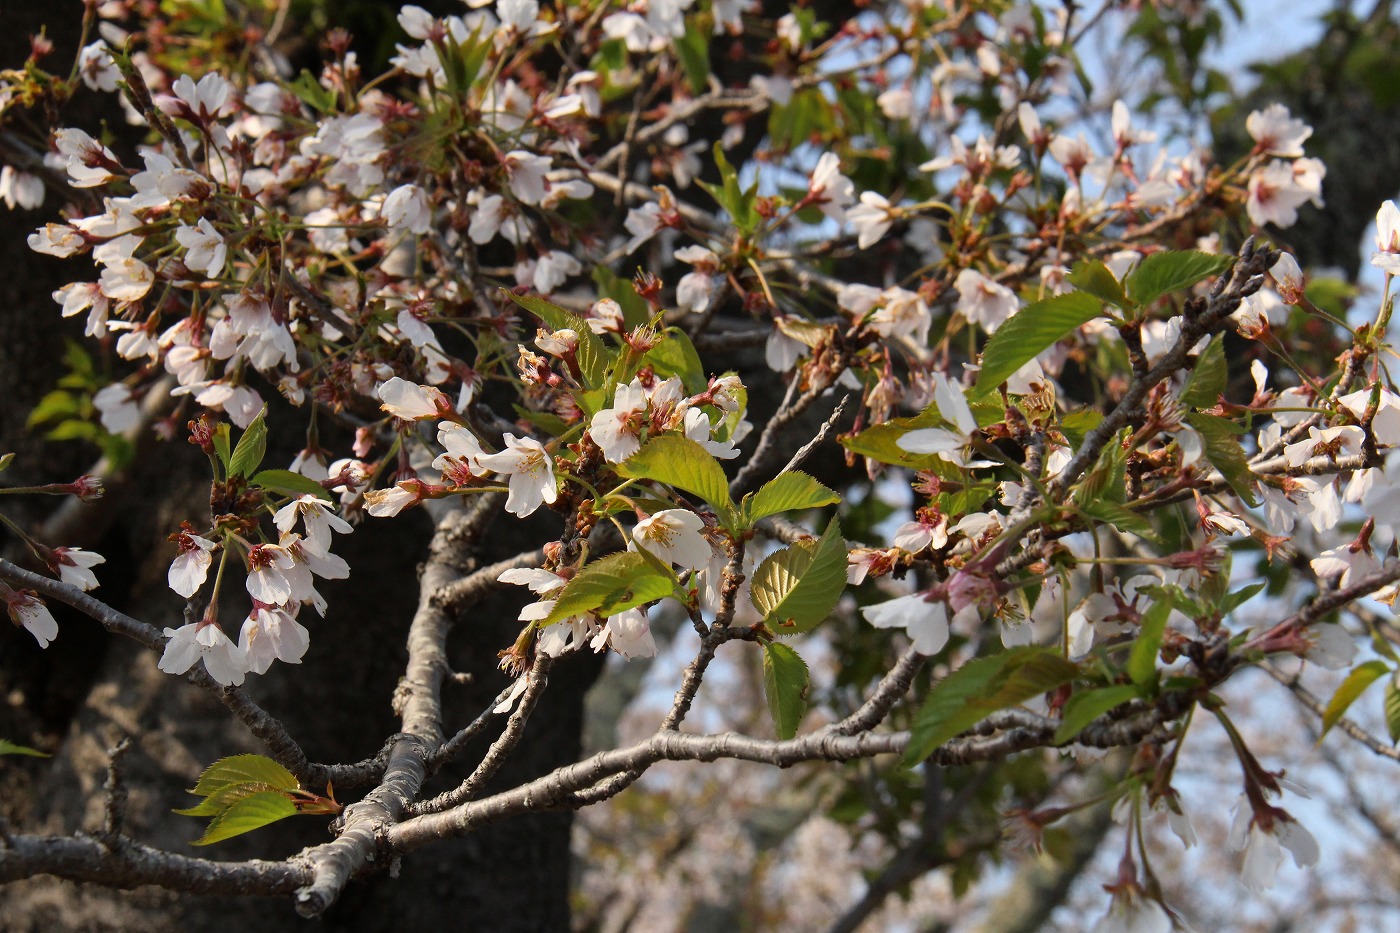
617,430
191,566
531,472
926,621
28,611
983,301
270,633
204,641
674,535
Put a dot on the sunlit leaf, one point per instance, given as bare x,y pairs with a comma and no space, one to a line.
788,493
252,812
1162,273
981,687
785,683
1350,690
1030,331
796,587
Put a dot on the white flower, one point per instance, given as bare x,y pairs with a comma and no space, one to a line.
97,68
20,189
617,430
404,399
206,251
1130,912
984,301
527,175
118,410
926,622
317,518
629,634
59,240
191,567
29,612
270,633
553,269
74,566
699,428
642,222
225,661
407,208
1387,254
1276,132
949,445
674,535
832,191
205,99
386,503
1275,195
1386,423
531,472
871,218
1335,442
462,461
267,582
1332,647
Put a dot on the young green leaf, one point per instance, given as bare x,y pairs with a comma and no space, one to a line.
1142,663
1166,272
1392,711
680,462
693,49
675,355
797,587
1208,376
10,748
1350,690
593,358
610,585
251,448
1093,277
222,444
252,812
244,769
787,493
1224,452
1028,332
1087,705
981,687
1120,517
785,683
289,483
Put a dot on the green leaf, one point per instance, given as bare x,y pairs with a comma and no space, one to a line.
1162,273
680,462
1241,596
1355,684
252,812
1077,424
1142,663
693,49
797,587
289,483
787,493
6,460
1087,705
1028,332
981,687
592,357
10,748
1208,377
244,769
1094,277
224,798
785,683
675,355
1224,452
610,585
251,448
1120,517
1392,711
738,203
1104,483
221,443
